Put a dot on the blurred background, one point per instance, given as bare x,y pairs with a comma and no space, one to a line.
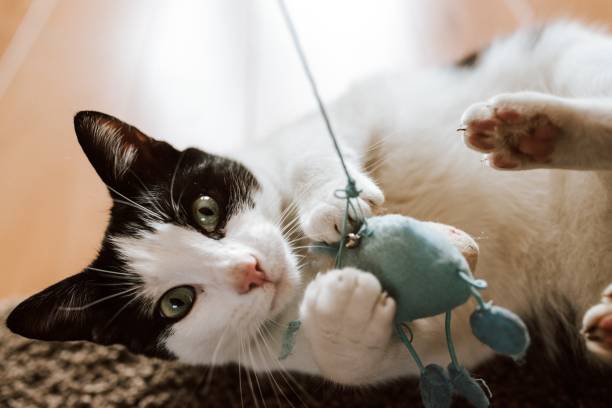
216,71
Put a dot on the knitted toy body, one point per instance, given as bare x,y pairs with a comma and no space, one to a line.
416,264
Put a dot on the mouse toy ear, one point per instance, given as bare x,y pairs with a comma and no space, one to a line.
116,150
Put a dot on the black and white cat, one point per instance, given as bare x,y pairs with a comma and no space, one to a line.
204,258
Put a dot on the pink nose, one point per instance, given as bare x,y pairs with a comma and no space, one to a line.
251,277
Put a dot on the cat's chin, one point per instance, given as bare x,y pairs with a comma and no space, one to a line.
282,292
282,288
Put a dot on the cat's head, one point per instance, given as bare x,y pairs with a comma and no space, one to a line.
193,255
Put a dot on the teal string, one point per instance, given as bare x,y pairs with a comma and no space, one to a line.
478,298
476,283
350,192
449,340
342,238
315,91
475,286
289,339
408,343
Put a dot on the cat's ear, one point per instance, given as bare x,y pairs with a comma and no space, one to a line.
117,149
57,313
86,307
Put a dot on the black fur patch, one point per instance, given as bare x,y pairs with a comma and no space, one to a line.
469,60
531,35
160,184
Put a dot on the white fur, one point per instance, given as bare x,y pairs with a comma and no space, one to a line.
344,307
544,235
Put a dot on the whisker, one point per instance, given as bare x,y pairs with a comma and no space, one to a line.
132,277
182,208
172,203
133,204
119,284
116,200
312,246
268,371
285,375
375,145
248,376
209,376
296,240
240,372
292,207
124,275
263,401
122,309
274,322
377,164
155,215
287,212
289,226
282,216
95,302
153,201
293,229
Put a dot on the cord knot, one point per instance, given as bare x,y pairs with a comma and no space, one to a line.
350,191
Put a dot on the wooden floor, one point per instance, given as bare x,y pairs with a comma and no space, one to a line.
52,206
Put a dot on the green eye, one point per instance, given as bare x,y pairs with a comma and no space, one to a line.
177,302
206,213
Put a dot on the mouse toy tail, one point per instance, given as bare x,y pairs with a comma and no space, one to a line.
436,388
468,387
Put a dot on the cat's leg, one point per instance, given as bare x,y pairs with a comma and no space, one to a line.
529,130
597,327
348,321
321,209
303,165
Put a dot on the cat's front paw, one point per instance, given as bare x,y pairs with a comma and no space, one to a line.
321,211
348,321
516,131
597,327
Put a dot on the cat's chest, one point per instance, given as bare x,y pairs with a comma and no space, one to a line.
581,222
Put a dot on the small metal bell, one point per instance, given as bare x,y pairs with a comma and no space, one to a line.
352,240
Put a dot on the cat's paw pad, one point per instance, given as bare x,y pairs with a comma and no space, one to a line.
597,327
347,307
514,131
322,213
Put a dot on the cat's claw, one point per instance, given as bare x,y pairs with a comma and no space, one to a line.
515,131
597,327
347,319
322,211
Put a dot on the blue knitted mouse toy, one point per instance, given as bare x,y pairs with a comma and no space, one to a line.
426,274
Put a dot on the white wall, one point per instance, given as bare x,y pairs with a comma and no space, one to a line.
215,70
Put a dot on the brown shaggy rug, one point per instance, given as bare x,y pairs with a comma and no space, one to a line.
38,374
